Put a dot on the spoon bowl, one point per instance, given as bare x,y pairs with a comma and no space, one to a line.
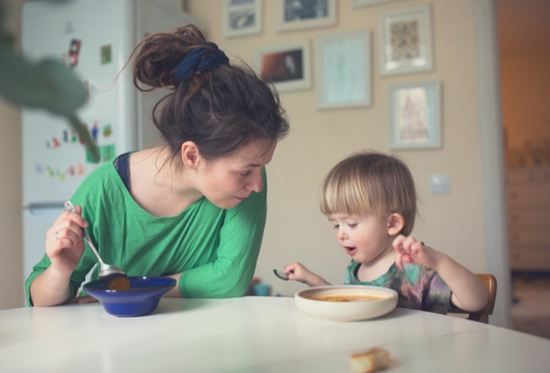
280,274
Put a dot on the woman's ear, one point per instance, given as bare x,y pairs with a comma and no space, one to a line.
190,154
396,222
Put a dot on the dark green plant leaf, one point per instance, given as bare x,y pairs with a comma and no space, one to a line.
48,84
6,40
85,135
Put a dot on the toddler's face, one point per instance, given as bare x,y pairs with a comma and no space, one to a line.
364,237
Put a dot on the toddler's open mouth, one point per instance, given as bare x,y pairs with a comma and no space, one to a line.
350,250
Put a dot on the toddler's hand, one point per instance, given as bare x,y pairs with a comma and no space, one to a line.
409,250
297,272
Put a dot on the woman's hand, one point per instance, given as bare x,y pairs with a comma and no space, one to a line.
64,243
64,247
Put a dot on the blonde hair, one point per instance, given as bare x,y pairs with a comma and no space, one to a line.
370,182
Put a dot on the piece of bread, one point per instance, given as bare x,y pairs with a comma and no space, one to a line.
370,361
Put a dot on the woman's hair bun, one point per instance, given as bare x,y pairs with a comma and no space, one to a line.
160,53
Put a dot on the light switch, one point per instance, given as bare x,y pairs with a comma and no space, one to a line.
440,184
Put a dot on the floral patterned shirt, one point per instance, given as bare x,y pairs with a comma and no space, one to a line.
419,287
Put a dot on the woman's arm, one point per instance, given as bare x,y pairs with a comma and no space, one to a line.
240,238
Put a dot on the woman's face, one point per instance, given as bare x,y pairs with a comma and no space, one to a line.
227,181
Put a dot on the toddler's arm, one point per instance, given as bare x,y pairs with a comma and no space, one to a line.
297,272
468,291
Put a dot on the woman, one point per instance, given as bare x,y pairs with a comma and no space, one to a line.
193,209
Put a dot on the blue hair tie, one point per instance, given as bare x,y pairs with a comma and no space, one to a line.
200,59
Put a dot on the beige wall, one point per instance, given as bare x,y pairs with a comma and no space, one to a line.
452,223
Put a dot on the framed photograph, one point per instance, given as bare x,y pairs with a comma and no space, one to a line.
302,14
343,70
405,40
414,115
361,3
242,17
286,66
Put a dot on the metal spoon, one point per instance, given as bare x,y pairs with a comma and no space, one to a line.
280,274
107,272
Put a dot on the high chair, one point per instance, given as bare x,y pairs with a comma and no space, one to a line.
490,283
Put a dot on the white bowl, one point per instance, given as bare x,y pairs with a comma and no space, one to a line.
346,311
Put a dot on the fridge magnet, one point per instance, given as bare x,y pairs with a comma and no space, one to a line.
286,66
106,54
107,152
55,142
405,40
343,70
414,115
74,52
107,130
95,132
304,14
361,3
70,171
242,17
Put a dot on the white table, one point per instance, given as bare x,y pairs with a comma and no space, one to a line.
253,334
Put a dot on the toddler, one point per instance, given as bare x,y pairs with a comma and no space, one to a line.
370,199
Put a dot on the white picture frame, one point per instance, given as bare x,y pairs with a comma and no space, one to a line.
287,66
414,115
363,3
241,18
405,40
304,14
343,70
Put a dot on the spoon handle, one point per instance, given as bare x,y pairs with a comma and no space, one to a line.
69,207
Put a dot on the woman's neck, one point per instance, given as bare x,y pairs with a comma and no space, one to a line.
160,186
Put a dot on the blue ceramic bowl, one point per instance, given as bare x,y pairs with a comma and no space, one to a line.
142,297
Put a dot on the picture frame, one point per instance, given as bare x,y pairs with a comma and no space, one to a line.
241,18
286,66
304,14
362,3
405,40
343,70
414,115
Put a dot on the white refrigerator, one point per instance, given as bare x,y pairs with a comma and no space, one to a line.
95,39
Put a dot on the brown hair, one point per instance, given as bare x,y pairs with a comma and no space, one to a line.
220,110
370,182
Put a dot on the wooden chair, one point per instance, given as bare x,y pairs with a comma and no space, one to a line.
490,283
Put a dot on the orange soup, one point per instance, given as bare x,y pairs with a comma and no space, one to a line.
346,298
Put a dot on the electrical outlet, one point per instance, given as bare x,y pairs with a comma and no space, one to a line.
440,184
